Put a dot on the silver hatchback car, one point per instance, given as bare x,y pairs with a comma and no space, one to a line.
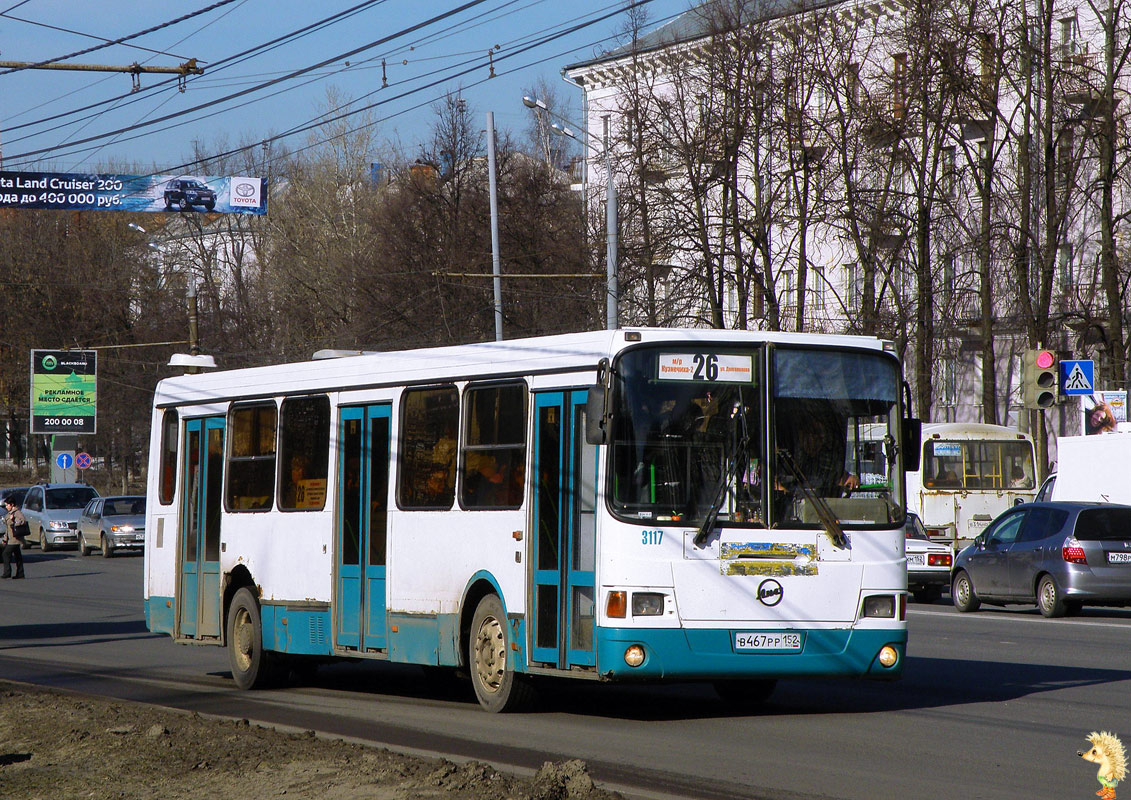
1059,555
52,512
113,525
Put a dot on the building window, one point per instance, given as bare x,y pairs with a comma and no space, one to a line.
899,84
817,288
854,85
949,172
494,447
429,423
786,283
1065,267
251,457
1069,35
1065,156
853,285
304,449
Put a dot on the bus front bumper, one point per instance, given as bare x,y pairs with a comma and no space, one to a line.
705,654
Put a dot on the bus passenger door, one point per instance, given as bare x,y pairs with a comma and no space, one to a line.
198,598
564,509
363,490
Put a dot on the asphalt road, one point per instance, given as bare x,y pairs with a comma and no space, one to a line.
993,704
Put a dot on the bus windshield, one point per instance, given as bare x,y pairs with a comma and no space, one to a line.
972,464
690,439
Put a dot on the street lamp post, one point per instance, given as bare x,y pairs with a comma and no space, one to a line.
611,288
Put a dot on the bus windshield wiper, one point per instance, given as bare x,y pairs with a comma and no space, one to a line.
825,514
730,471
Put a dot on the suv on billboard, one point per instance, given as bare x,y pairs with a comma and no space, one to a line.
184,193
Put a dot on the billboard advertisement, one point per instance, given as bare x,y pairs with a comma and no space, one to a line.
174,193
1104,412
64,391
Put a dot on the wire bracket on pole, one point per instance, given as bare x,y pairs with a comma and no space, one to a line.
491,59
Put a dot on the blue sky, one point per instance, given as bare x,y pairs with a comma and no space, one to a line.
434,53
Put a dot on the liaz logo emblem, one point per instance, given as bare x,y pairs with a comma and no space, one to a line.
770,592
50,362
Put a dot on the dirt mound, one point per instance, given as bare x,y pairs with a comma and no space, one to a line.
55,745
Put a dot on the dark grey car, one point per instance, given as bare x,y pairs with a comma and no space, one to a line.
1059,555
113,524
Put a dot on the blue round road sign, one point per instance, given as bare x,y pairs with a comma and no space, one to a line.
64,460
82,461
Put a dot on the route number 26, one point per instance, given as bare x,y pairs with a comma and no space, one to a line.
706,367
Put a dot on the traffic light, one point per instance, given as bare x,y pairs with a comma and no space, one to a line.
1039,379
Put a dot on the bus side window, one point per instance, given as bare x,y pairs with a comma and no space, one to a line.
494,447
251,457
168,457
429,424
304,450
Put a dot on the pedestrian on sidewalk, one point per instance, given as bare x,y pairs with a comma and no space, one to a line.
15,534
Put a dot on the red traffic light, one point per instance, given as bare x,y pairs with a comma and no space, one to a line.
1045,359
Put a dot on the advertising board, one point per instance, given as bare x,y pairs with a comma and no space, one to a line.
145,193
64,391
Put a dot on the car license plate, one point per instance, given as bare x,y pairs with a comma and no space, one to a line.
1119,558
918,559
778,640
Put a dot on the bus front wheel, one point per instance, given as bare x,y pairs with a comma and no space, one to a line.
252,666
497,686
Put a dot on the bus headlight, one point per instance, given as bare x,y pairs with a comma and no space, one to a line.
634,655
880,605
647,604
888,656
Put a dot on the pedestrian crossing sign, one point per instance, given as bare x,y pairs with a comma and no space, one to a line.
1077,377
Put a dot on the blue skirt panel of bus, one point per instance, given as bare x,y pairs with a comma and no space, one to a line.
159,614
301,631
698,653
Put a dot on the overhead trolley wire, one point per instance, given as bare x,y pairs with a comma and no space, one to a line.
215,67
323,119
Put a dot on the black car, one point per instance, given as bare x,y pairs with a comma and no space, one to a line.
184,193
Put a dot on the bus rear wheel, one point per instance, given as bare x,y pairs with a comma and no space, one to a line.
497,687
252,666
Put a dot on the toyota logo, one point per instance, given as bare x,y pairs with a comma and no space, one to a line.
770,592
245,189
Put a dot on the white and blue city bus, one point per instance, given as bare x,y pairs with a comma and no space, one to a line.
618,505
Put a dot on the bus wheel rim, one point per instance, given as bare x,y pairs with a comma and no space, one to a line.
490,654
244,633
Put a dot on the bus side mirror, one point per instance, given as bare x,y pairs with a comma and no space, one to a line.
595,420
912,443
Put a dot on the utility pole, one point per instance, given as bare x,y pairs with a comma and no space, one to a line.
496,269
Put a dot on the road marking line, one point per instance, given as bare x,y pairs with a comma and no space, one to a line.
1019,618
